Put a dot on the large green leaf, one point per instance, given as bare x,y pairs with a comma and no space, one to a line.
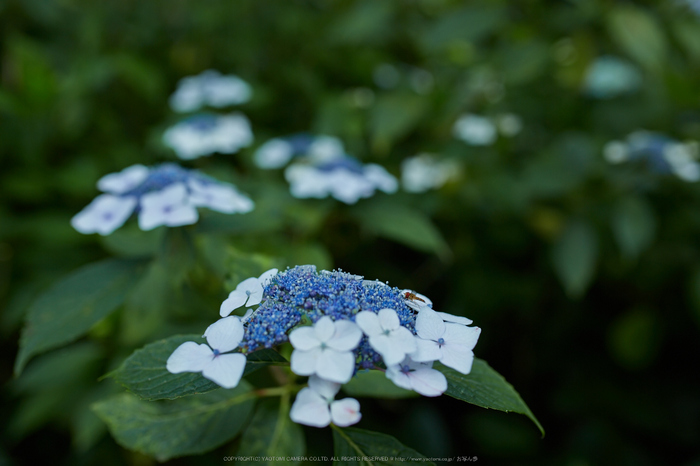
144,373
168,429
272,435
574,257
393,116
72,306
375,384
404,225
634,225
487,388
638,32
363,447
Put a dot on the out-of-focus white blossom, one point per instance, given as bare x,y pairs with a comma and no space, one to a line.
209,88
425,172
207,134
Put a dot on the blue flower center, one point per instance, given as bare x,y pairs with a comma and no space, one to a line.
216,352
347,163
441,341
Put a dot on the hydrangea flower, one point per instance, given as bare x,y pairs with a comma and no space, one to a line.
609,77
448,342
356,324
345,179
277,152
425,172
660,153
249,293
418,376
206,134
209,88
314,405
223,336
326,349
166,194
475,130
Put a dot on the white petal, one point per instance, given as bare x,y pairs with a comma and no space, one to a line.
236,299
255,295
335,366
275,153
389,319
422,301
346,337
399,378
458,357
310,409
381,178
345,412
428,382
369,323
426,350
166,207
429,325
266,277
404,339
324,328
304,339
459,334
189,357
104,214
456,319
225,334
325,388
385,346
304,362
226,369
248,284
126,180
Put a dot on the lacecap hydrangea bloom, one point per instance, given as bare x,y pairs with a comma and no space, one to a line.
166,194
210,88
338,324
206,134
660,153
278,152
478,130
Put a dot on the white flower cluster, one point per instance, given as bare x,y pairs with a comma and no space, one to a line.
660,153
610,76
325,351
205,134
477,130
278,152
163,195
424,172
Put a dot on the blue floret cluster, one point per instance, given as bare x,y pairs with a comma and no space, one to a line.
303,291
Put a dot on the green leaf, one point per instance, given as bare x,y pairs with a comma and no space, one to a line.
144,373
74,305
350,445
634,225
272,434
487,388
467,24
168,429
639,33
375,384
574,257
404,225
393,116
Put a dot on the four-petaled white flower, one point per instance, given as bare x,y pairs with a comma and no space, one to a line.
314,405
219,197
325,349
209,88
104,214
249,293
223,336
447,342
418,376
206,134
386,335
124,181
169,206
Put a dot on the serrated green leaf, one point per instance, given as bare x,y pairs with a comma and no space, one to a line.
375,384
363,447
74,305
574,257
634,225
168,429
404,225
272,434
144,373
485,387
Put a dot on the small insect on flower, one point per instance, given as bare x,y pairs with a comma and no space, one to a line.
412,296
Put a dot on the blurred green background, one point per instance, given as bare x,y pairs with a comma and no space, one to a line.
583,275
